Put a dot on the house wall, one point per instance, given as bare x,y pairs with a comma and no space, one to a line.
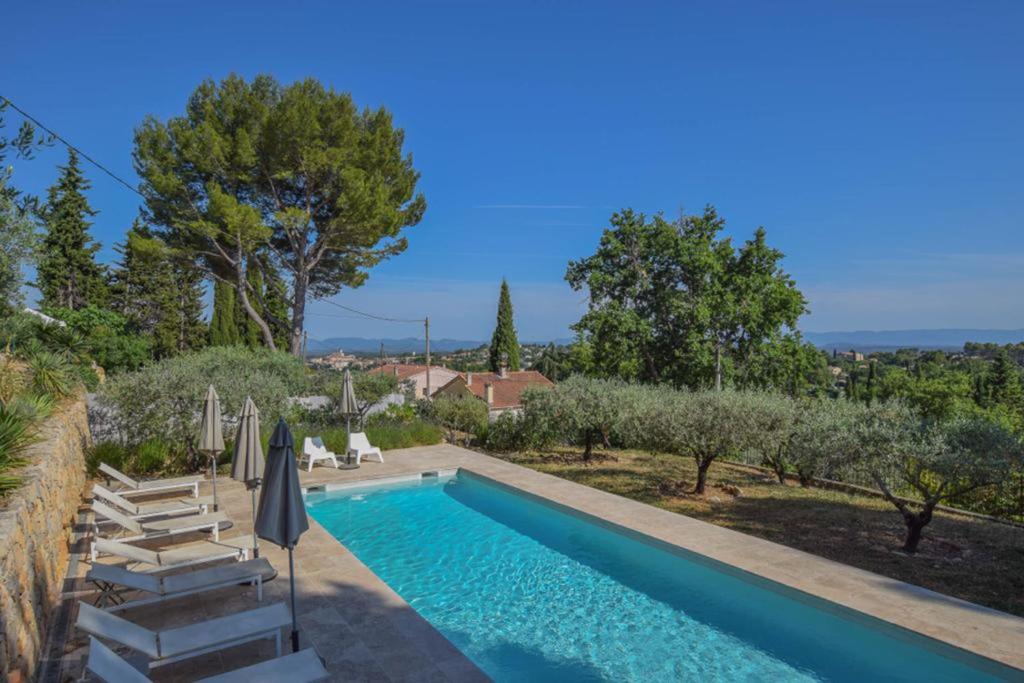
438,378
36,522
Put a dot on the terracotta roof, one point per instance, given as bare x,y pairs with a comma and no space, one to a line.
508,390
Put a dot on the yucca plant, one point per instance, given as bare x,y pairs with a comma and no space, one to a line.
15,435
51,374
32,407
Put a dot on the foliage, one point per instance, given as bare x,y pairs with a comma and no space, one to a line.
458,415
504,349
108,337
823,443
386,431
15,435
67,274
223,323
18,239
254,168
164,399
159,292
115,454
933,460
506,434
675,302
51,374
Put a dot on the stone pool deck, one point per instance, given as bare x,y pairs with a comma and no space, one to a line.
366,632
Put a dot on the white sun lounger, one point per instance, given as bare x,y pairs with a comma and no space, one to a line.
109,578
185,642
313,450
303,666
134,487
359,444
182,506
173,558
144,530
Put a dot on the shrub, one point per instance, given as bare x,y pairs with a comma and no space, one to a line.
387,433
152,456
164,400
15,436
104,335
824,441
467,416
507,433
110,452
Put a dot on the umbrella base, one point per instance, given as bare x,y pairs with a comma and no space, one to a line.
347,466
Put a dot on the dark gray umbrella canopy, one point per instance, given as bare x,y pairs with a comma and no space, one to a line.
281,517
247,461
348,396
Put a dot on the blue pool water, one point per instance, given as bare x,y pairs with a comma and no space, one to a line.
530,592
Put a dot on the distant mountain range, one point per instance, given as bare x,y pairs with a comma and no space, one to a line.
861,340
881,340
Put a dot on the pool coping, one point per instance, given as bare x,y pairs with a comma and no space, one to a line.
966,627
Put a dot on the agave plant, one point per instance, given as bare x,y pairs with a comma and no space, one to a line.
51,374
15,435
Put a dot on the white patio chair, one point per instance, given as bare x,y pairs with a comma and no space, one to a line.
359,445
313,450
184,642
303,666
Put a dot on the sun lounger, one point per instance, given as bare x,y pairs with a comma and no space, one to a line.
303,666
185,642
133,487
173,558
359,445
114,581
183,506
144,530
314,450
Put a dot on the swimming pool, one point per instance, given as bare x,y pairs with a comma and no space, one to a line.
529,591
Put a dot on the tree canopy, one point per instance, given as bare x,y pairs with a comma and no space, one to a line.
675,301
257,174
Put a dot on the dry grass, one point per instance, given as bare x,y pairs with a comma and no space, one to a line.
976,560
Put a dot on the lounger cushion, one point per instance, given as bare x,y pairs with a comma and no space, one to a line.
180,523
209,549
303,666
178,641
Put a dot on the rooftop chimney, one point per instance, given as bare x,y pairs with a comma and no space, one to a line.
489,393
469,379
503,371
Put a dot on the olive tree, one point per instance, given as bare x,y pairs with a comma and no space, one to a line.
824,440
934,461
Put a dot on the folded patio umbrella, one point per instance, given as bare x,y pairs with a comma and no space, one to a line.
211,438
247,460
348,407
281,517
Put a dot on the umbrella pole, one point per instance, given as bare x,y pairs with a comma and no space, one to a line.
255,541
213,467
295,620
348,439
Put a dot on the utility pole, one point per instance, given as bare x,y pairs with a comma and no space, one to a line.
426,334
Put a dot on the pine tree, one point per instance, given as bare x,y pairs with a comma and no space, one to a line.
1004,387
504,344
67,274
223,323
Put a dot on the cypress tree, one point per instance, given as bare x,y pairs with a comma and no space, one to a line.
504,343
1004,387
67,274
223,324
159,292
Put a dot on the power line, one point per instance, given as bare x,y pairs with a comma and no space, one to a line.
371,315
67,144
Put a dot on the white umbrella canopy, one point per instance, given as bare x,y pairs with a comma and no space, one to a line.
247,459
211,436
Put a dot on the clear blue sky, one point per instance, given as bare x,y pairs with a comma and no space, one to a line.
879,143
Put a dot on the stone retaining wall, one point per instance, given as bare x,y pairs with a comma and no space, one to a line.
36,522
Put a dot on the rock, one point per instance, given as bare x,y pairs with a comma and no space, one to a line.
732,490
